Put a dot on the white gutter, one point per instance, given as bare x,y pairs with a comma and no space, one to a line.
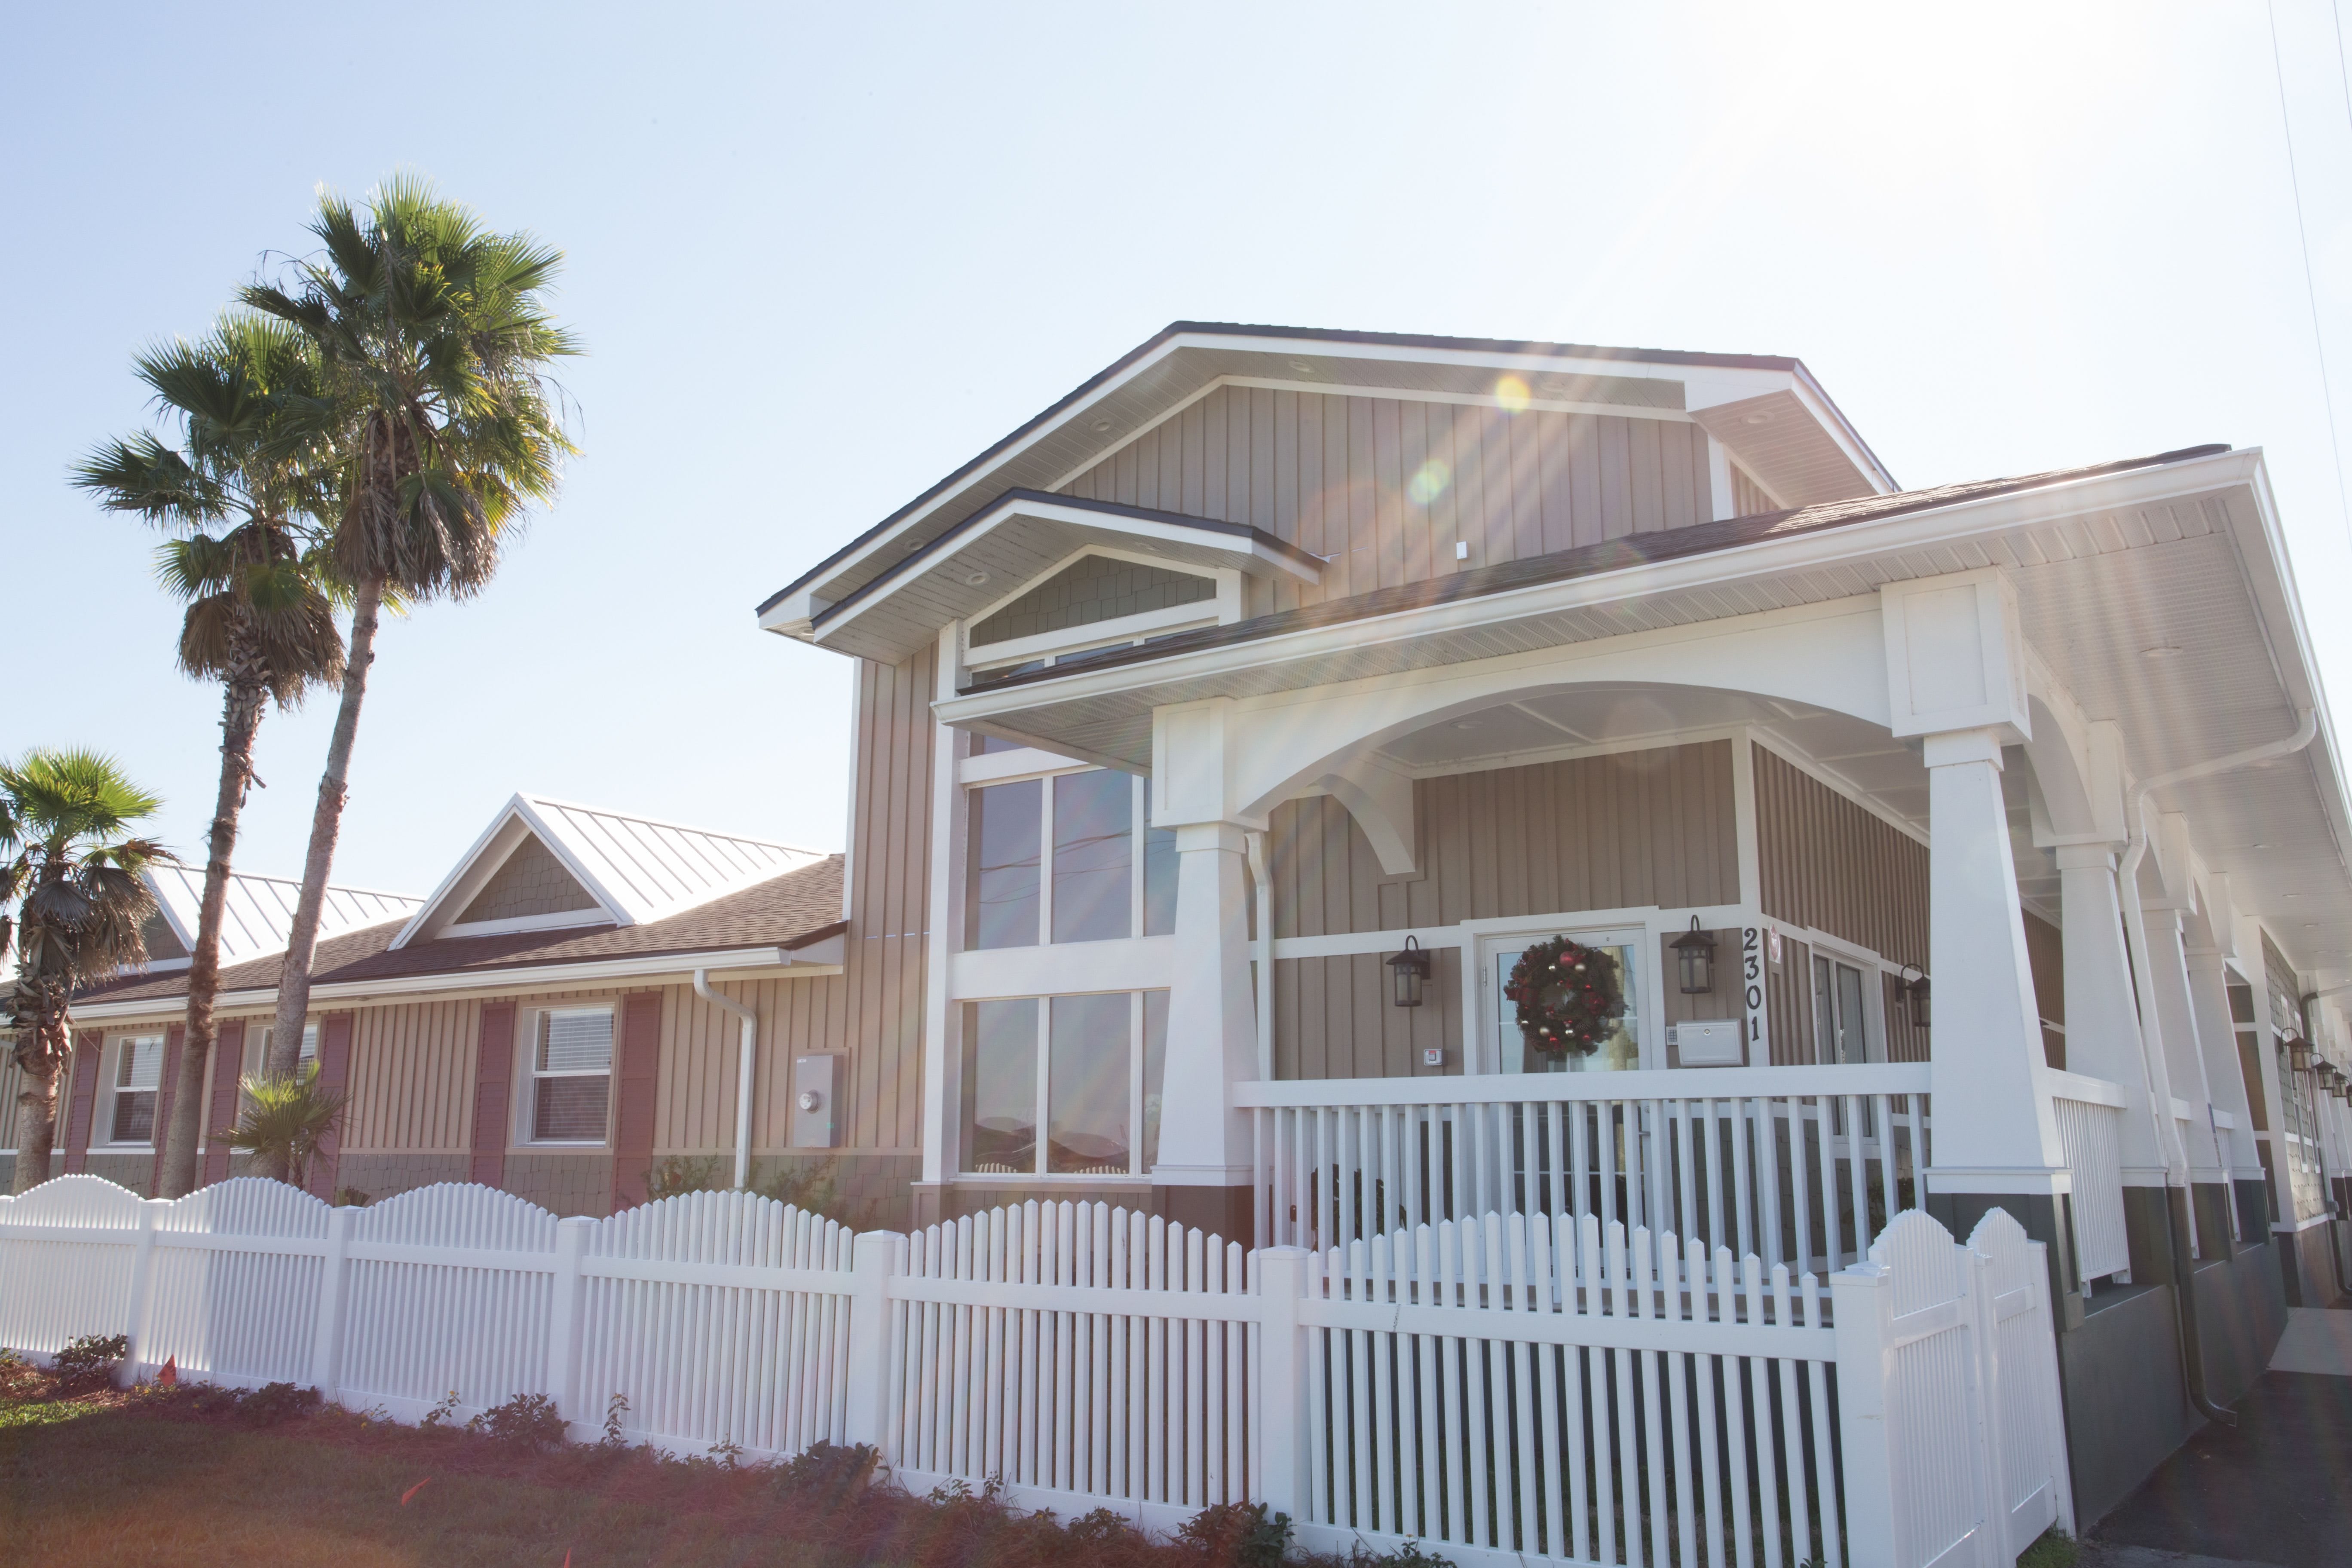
744,1062
2167,1131
1255,842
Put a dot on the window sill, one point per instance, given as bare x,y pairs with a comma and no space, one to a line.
566,1146
1001,1178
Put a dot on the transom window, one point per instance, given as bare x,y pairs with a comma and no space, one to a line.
1055,859
571,1074
137,1074
1086,1069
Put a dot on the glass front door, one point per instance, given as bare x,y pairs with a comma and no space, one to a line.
1622,1051
1840,1024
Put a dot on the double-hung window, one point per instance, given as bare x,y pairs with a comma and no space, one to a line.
137,1074
570,1072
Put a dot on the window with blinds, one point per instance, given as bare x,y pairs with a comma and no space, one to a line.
571,1075
138,1073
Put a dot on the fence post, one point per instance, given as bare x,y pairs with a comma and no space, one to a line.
1282,1282
1864,1318
1990,1397
563,1326
327,1329
137,1311
874,1257
2053,1405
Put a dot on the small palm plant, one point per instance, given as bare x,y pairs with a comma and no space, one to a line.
284,1119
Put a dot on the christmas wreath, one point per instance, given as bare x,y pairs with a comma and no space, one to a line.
1568,995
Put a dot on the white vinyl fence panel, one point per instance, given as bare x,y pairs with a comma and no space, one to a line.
1516,1389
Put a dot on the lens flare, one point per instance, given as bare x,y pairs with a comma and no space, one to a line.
1512,393
1429,482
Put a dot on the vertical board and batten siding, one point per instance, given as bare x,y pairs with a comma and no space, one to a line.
1829,864
797,1017
1625,829
889,890
1747,497
1335,474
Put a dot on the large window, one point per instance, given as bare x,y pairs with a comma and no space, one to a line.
138,1073
1058,860
571,1074
1086,1069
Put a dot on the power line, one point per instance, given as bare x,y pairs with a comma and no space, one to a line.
2310,288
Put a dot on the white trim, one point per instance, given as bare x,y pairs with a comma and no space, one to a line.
548,977
110,1090
1109,553
1095,634
1789,752
553,919
523,1133
1006,767
1534,405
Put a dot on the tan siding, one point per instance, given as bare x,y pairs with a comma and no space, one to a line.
2045,952
890,841
1828,864
1747,497
1789,1003
411,1084
1332,473
1633,828
1903,1042
797,1017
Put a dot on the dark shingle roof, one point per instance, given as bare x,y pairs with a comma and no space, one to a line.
794,910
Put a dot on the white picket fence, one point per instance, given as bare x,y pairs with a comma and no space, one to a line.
1509,1389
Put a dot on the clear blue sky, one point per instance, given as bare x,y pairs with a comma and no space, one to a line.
822,254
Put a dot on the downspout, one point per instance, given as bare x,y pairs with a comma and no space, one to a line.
2167,1134
751,1035
1256,843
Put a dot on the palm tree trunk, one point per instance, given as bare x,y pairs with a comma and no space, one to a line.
240,718
326,824
36,1102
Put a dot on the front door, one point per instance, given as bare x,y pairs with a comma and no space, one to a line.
1620,1052
1841,1021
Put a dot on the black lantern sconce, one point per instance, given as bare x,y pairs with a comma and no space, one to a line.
2298,1054
1408,971
1914,997
1694,956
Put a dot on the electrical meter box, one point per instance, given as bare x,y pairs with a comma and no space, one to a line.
1709,1043
816,1123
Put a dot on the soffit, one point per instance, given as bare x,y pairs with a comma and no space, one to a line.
1020,538
1777,440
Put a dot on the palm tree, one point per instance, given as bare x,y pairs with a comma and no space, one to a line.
71,868
284,1121
435,335
243,492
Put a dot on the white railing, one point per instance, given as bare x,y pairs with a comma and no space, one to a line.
1799,1165
1548,1389
2090,1113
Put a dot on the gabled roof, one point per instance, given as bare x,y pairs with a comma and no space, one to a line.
1768,410
259,910
635,870
793,920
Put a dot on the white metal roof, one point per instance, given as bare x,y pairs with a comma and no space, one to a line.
637,869
259,910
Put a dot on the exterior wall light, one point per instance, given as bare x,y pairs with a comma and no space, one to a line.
1408,971
1915,999
2299,1053
1694,953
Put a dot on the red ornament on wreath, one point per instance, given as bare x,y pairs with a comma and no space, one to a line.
1569,997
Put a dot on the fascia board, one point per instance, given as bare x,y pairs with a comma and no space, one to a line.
540,977
1238,546
1825,547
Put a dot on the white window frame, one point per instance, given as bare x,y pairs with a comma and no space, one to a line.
1137,840
526,1125
1222,609
112,1061
1492,939
1820,944
1042,1108
309,1052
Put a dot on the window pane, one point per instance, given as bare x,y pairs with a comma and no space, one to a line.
310,1043
1155,1071
1094,827
577,1039
139,1063
570,1107
1000,884
135,1116
1086,1086
1158,873
1000,1088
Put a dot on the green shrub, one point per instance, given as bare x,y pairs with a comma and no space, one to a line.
352,1198
90,1360
828,1474
2054,1549
527,1421
276,1401
676,1175
1238,1535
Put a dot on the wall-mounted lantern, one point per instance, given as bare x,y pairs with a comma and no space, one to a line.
2299,1053
1695,955
1408,971
1915,997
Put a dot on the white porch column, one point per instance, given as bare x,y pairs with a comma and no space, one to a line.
1212,1024
2102,1013
2184,1050
1994,1130
1206,1167
2225,1075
